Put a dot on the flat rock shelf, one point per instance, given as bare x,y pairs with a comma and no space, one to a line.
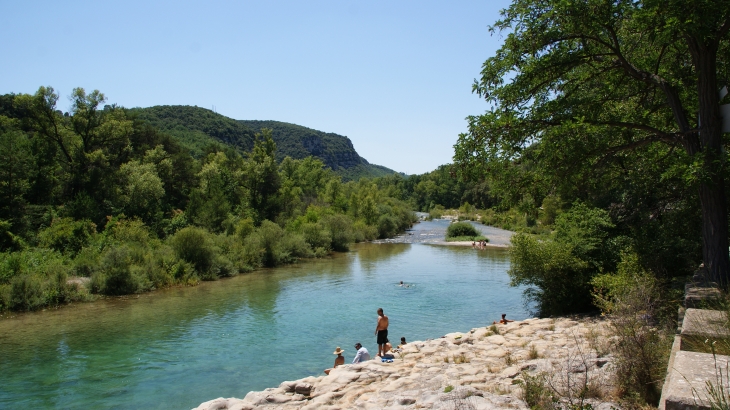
478,369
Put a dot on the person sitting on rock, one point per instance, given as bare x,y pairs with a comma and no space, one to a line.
339,360
362,354
503,321
387,354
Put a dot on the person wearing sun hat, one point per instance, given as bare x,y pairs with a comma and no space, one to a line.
339,360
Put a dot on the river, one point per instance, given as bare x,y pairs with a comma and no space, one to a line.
179,347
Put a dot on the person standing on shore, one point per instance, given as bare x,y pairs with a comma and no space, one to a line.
381,330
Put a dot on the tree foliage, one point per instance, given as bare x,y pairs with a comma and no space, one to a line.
105,198
585,95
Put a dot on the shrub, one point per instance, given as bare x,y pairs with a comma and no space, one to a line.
436,212
67,235
316,235
159,267
275,246
87,261
177,222
461,229
33,279
119,230
117,274
26,293
557,281
364,232
387,226
341,231
536,392
244,227
559,270
192,245
641,313
550,208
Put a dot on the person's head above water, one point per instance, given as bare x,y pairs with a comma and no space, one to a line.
380,311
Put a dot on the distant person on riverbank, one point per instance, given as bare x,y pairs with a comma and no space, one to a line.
503,321
339,360
362,354
381,330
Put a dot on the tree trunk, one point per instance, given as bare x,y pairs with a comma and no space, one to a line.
712,187
715,231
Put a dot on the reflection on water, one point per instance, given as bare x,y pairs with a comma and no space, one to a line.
179,347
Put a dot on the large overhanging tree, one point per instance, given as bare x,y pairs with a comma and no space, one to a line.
587,80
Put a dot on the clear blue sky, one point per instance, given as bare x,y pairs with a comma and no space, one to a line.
393,76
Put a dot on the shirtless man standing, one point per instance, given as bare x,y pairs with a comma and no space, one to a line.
381,330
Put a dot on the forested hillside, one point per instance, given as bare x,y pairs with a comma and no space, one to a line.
100,201
198,128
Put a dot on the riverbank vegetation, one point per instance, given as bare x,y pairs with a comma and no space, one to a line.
463,231
96,201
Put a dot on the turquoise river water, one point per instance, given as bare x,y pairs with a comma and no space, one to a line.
177,348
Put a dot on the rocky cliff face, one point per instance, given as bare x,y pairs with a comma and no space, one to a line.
479,369
336,151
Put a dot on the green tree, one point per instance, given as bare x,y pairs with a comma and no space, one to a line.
15,163
141,189
261,177
582,83
91,142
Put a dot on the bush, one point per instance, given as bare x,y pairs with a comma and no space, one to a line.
558,281
119,230
341,231
364,232
33,279
436,212
559,270
275,246
316,235
461,229
118,274
26,293
642,315
67,235
191,244
387,226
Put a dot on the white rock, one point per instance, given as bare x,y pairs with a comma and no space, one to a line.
418,378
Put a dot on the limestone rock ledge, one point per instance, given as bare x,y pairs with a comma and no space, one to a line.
477,369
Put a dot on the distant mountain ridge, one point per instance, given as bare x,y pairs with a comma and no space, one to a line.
198,127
